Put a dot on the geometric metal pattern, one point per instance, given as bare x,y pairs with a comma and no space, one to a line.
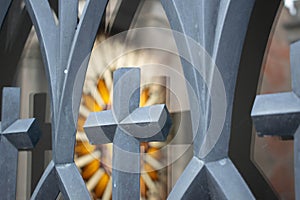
126,125
220,28
279,114
65,47
16,134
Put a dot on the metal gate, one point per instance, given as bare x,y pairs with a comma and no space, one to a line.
233,33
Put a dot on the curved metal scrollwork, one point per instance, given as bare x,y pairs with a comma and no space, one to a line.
221,28
65,49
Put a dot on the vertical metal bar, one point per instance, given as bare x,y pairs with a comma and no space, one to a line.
127,92
47,32
134,125
8,172
68,17
65,71
295,69
218,19
126,99
126,183
10,107
74,77
17,134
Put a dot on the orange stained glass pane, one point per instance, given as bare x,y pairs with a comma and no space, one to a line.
144,97
103,91
90,169
83,148
143,187
154,152
100,187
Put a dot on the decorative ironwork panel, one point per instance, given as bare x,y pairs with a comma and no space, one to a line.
65,49
219,27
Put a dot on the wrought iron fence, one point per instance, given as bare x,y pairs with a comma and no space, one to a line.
233,33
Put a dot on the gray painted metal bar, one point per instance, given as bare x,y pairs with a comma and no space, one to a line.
126,125
221,31
279,114
220,28
9,164
259,31
65,49
74,77
276,114
16,134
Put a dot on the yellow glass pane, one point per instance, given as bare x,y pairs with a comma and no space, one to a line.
90,169
83,148
154,152
103,91
144,97
143,188
100,188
